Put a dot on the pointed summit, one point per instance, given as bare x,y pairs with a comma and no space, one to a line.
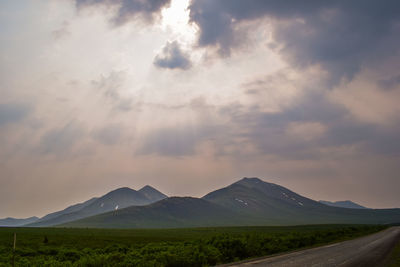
147,187
254,196
252,180
152,193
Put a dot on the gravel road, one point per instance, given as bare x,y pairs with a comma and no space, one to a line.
371,250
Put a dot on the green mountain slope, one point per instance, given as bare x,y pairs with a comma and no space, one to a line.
168,213
249,201
266,200
274,204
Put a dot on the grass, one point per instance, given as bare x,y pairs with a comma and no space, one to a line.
394,258
163,247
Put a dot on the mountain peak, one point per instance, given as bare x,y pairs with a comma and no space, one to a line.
121,191
251,179
246,181
125,188
147,187
152,193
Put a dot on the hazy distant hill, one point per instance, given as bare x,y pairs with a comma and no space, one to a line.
249,201
70,209
17,222
114,200
343,204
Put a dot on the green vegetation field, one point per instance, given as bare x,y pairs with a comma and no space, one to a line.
394,258
163,247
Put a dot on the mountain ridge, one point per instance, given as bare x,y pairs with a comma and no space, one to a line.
67,210
172,212
116,199
13,222
249,201
343,204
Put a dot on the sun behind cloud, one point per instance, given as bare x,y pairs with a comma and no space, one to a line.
175,19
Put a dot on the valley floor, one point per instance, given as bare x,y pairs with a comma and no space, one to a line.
372,250
164,247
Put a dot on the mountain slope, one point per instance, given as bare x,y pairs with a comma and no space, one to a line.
67,210
249,201
274,204
343,204
114,200
168,213
152,194
271,203
13,222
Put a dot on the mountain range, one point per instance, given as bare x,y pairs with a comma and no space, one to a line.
114,200
249,201
17,222
343,204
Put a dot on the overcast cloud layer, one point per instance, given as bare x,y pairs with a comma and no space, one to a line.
189,96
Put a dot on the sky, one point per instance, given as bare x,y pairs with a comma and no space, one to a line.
192,95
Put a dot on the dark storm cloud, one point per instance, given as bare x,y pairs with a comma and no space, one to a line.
128,10
340,36
13,113
389,83
172,57
268,132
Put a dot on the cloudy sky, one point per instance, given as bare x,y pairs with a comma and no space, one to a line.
192,95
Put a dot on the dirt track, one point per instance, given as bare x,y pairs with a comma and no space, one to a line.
365,251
